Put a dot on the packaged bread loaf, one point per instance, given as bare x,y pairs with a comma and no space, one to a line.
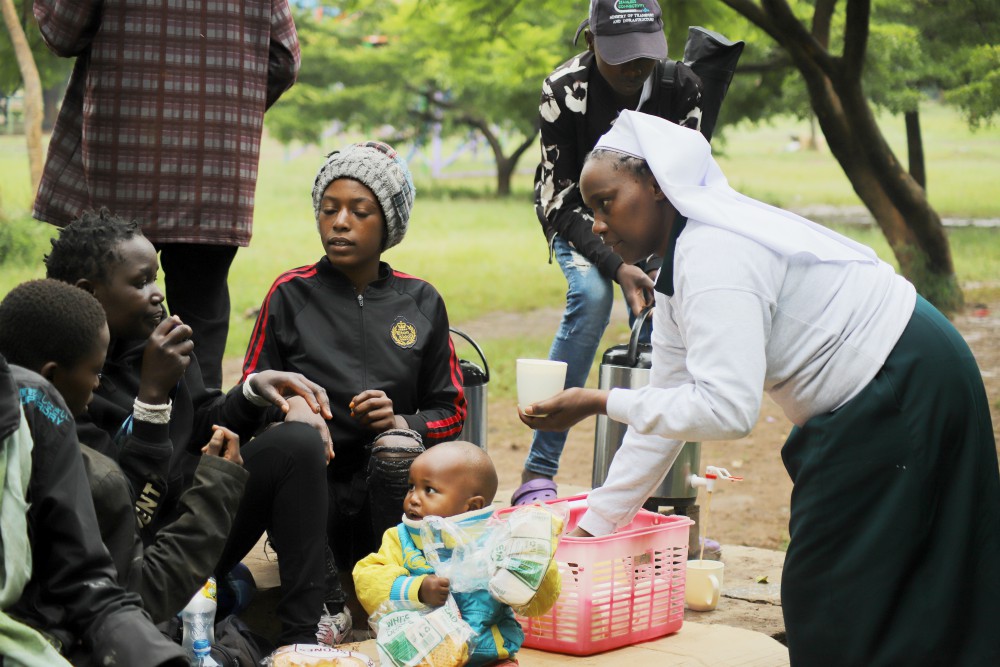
314,655
520,561
415,638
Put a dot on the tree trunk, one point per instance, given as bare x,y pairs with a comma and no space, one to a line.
915,148
505,170
506,167
897,202
505,164
32,92
813,139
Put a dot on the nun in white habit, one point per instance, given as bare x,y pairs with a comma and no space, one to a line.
894,555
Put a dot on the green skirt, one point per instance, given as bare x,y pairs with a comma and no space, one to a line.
894,556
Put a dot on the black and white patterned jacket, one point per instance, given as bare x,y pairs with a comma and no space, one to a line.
577,107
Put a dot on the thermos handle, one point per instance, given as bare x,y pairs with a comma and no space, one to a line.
471,342
632,359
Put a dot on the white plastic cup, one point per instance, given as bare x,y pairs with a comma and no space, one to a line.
538,379
703,584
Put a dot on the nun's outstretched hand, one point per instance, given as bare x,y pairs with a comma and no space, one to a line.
565,409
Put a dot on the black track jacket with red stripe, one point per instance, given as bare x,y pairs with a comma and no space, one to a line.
392,337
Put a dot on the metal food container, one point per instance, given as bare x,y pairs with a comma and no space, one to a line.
628,366
475,379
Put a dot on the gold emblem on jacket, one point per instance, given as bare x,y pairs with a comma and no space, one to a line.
403,333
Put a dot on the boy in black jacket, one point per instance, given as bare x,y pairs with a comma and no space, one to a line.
60,332
152,402
71,595
376,339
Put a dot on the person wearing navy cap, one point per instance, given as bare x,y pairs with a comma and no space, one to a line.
625,66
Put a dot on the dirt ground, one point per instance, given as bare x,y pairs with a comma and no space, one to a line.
751,513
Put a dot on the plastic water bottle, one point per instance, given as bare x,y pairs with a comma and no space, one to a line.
198,620
202,653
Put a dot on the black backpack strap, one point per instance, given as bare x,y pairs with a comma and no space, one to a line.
668,88
669,72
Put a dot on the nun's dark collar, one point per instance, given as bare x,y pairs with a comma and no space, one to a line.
665,278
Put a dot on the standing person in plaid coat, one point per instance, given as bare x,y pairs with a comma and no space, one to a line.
162,122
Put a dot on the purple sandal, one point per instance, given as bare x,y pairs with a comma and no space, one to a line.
534,491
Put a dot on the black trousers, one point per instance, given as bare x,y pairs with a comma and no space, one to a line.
361,508
286,495
196,282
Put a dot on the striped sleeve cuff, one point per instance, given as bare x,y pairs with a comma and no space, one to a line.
407,588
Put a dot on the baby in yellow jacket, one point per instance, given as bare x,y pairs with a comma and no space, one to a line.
456,480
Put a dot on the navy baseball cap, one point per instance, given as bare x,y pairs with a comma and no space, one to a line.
625,30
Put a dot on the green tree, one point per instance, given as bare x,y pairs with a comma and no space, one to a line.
829,42
479,63
913,52
53,70
978,94
420,64
32,89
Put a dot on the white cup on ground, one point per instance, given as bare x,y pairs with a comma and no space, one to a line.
538,379
703,584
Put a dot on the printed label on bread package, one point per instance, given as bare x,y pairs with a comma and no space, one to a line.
418,639
406,637
525,557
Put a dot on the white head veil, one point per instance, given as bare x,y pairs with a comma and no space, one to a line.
681,161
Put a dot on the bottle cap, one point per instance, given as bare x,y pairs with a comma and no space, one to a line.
201,646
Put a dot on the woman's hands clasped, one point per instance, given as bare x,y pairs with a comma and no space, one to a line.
225,444
373,409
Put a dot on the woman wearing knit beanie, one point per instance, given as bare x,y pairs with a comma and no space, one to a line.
376,339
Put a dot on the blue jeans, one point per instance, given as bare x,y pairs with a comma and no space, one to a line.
588,310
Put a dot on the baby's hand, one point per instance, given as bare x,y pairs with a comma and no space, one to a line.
434,590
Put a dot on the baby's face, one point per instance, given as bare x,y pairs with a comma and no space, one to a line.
435,490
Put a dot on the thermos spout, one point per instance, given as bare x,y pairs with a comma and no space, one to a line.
712,474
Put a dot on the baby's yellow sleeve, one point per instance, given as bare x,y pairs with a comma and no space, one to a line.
381,576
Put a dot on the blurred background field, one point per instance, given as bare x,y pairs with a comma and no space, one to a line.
487,255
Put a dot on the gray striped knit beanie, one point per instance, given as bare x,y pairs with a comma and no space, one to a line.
383,171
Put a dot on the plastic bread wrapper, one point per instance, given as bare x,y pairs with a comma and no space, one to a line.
519,562
307,655
508,555
410,634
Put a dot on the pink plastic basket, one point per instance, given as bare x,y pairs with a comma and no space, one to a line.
617,590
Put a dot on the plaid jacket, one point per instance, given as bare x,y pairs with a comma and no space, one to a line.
163,116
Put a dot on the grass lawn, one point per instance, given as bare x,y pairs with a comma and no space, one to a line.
487,255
